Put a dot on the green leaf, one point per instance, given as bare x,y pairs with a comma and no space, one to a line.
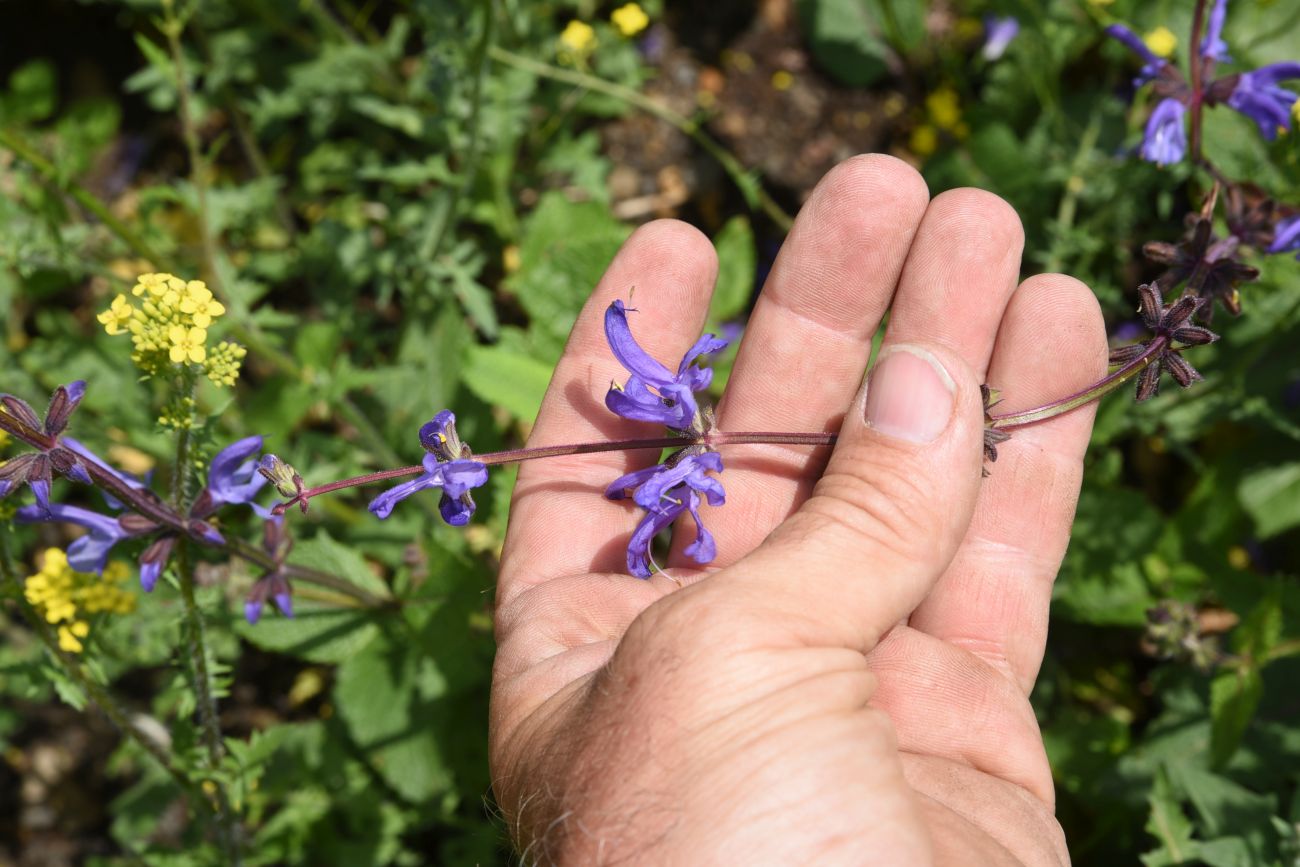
316,632
507,379
33,93
322,553
383,695
737,267
844,40
403,118
1234,698
1169,825
1272,498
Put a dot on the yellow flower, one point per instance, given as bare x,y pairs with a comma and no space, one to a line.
116,317
154,284
944,108
70,636
578,37
630,19
186,344
59,593
222,366
199,304
1161,41
782,80
924,140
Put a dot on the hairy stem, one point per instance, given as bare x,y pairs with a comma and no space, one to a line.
1097,390
753,191
210,723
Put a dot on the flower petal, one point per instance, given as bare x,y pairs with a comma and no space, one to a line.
628,351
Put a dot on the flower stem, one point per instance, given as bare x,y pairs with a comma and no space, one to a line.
1198,78
173,26
227,821
1008,421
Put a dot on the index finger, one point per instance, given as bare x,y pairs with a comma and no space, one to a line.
560,522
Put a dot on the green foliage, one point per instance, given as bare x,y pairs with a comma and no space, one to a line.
401,223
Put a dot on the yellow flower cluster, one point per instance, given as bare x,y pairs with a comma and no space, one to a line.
170,326
943,111
63,596
629,19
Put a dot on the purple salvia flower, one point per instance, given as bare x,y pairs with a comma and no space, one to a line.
273,586
665,492
455,478
37,469
1152,63
1165,140
88,553
90,457
1286,236
1212,46
154,560
1258,96
652,393
998,33
233,478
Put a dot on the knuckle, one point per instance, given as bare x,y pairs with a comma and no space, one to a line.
883,508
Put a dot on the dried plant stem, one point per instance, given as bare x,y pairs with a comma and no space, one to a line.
72,668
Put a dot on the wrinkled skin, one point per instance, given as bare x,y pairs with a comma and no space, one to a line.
847,683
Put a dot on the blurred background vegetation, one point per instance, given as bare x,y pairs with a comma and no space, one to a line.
403,203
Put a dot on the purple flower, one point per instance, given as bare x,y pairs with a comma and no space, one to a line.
665,491
1258,96
1165,141
998,33
652,393
1212,46
37,469
125,478
273,586
455,478
233,479
1152,63
154,560
1286,237
88,553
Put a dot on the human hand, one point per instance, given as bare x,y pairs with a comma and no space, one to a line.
847,683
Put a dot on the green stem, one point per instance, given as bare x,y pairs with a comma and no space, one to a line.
1074,186
51,177
753,191
227,821
201,678
172,27
71,667
440,227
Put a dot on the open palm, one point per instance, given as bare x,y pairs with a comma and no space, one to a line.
847,682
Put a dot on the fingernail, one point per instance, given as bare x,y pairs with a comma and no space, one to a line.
909,395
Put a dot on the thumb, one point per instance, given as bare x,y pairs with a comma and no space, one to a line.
887,515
